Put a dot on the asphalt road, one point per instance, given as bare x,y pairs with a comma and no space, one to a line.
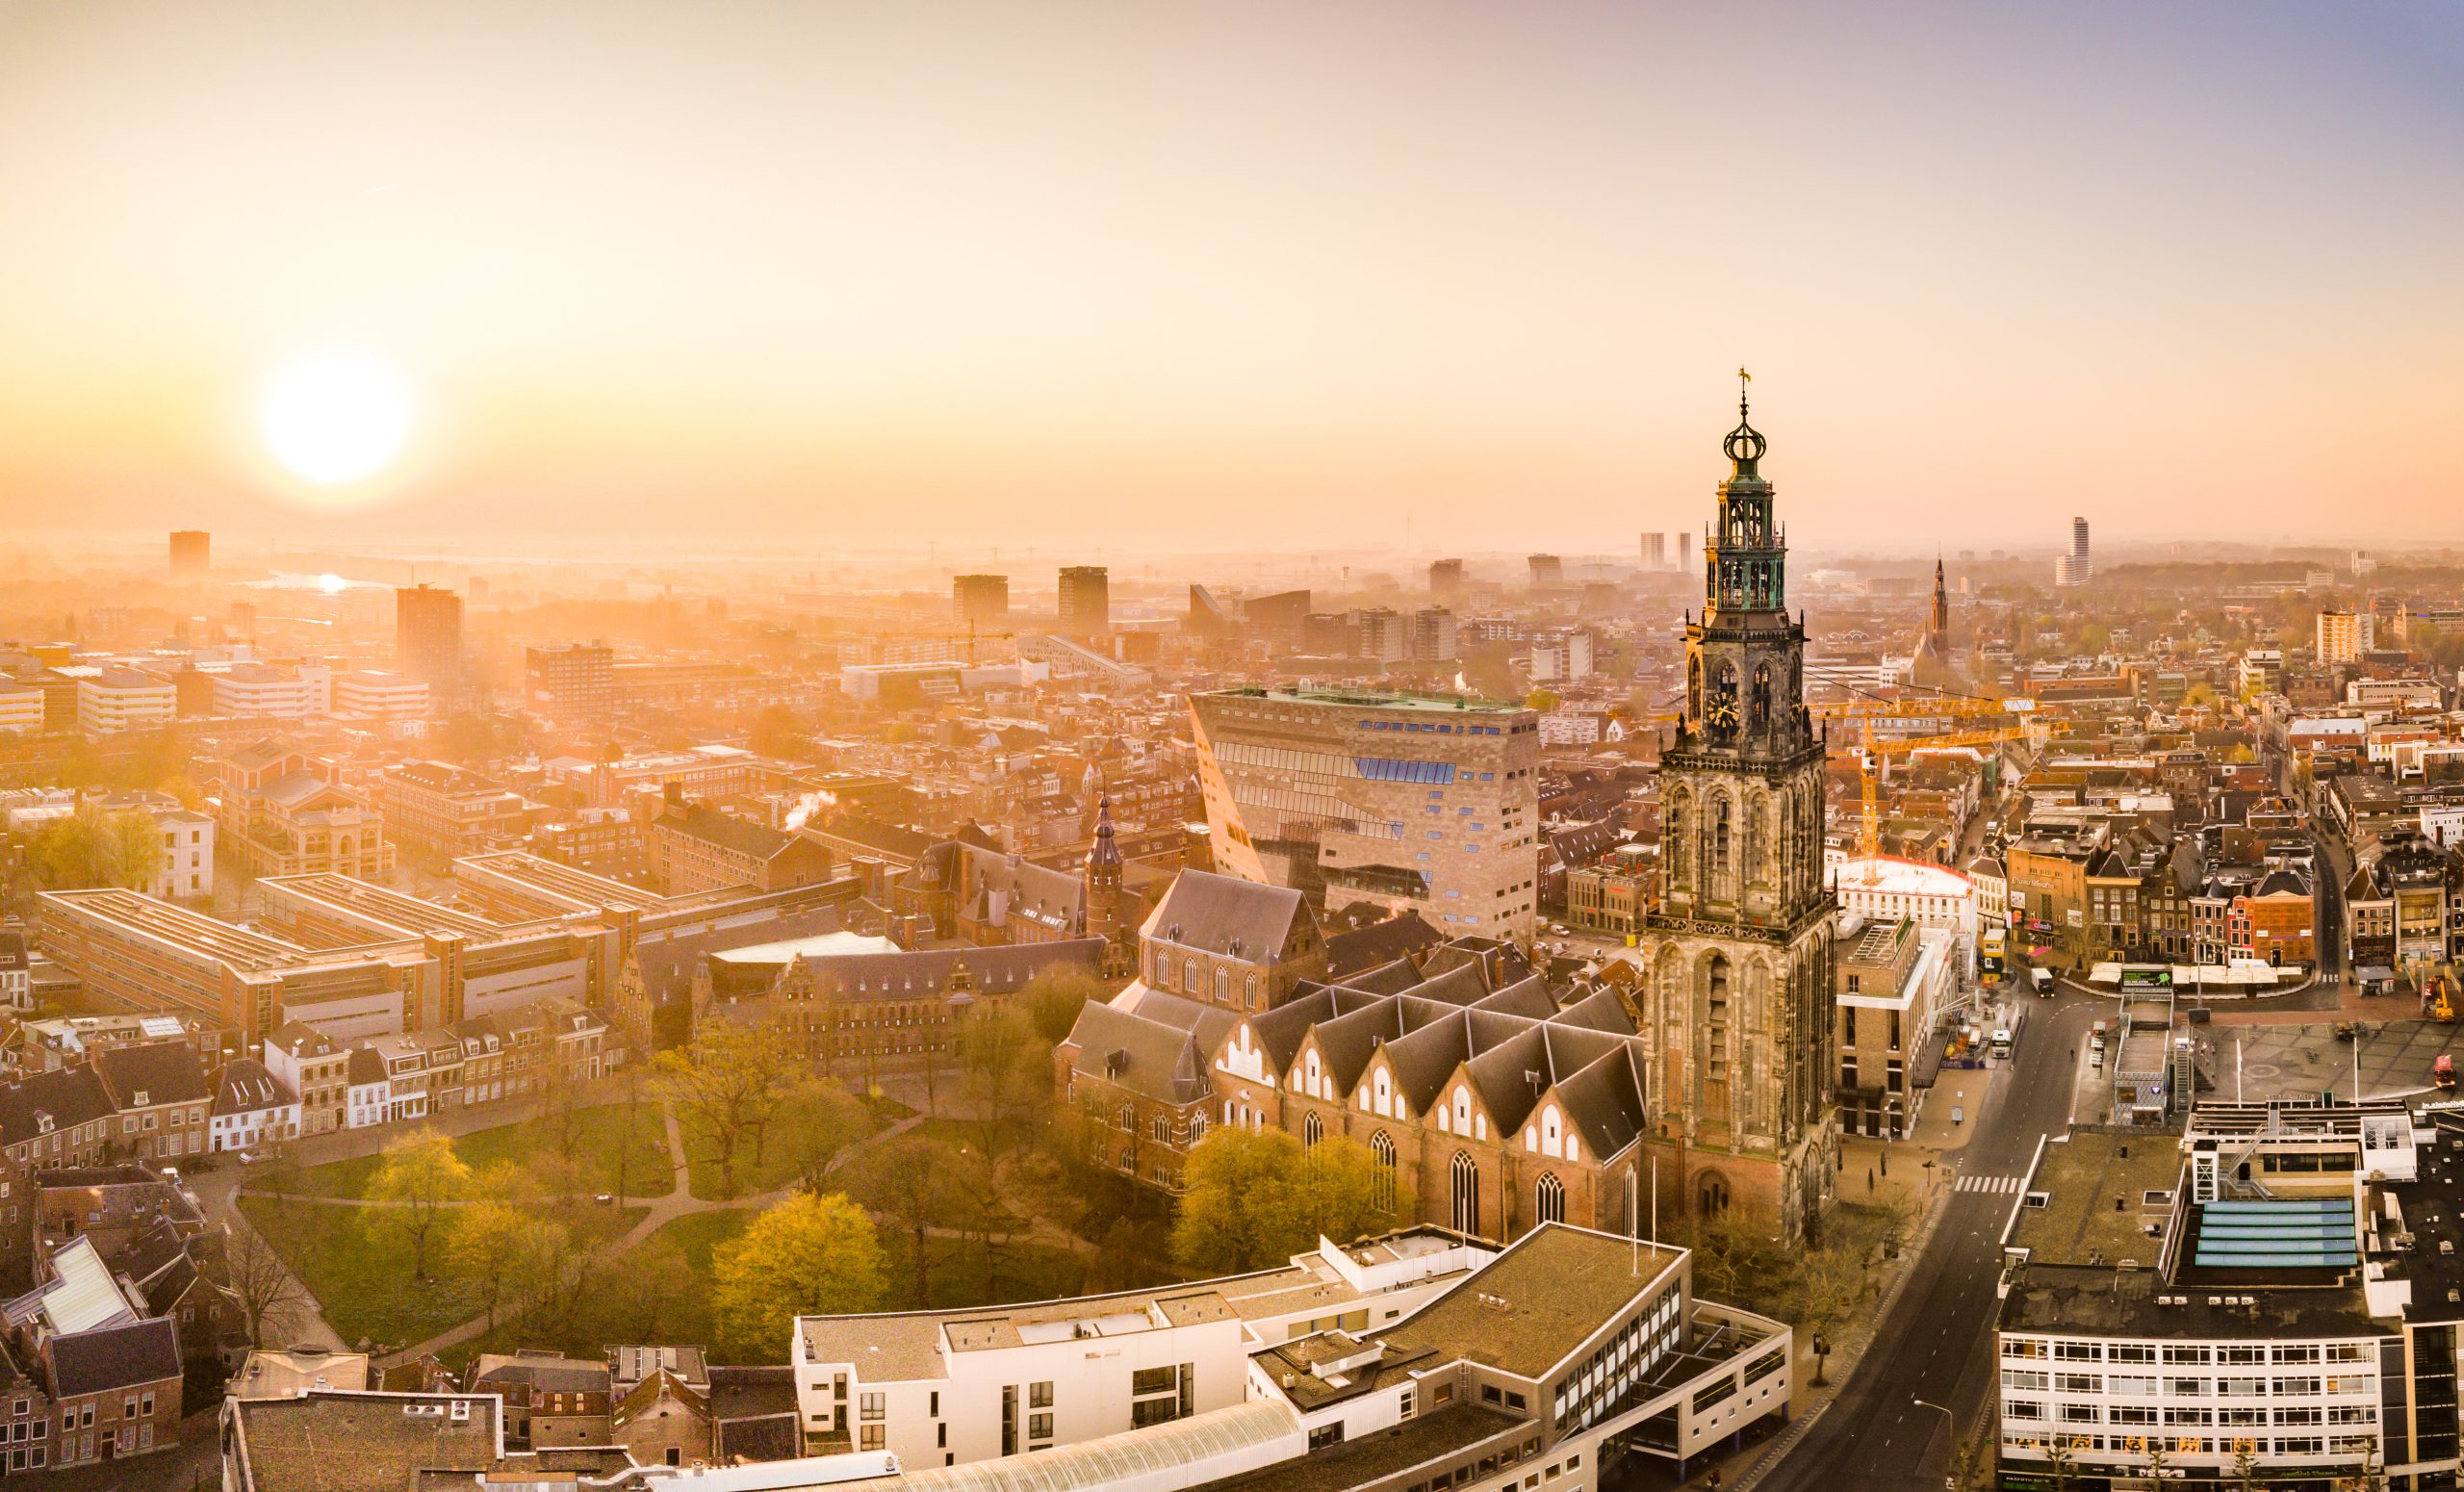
1936,1342
2329,865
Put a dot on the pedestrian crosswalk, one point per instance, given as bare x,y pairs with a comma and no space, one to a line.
2002,1184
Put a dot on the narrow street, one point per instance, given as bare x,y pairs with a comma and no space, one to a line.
1936,1342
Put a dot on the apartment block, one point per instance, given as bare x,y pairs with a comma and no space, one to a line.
113,700
22,710
574,683
1086,602
446,811
378,695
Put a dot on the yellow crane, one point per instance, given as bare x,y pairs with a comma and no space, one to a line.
1864,712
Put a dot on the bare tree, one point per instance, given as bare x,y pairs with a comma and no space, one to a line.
564,1124
729,1085
272,1305
909,1182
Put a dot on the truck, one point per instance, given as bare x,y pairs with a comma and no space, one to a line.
2002,1044
2042,981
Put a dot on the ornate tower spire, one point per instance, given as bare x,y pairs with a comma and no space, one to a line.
1745,443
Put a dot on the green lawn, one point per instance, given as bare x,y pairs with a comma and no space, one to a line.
623,1307
363,1286
810,1130
363,1282
605,1141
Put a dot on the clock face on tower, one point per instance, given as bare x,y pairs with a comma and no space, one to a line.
1719,709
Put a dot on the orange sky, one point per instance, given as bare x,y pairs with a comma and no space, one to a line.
1246,275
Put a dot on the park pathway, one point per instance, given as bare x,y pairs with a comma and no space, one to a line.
678,1202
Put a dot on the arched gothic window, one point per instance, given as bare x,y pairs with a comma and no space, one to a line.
1720,843
1311,1132
1381,1149
1548,1200
1711,1195
1466,1177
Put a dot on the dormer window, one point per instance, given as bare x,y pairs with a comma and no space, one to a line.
138,1099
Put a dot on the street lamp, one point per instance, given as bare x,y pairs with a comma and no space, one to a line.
1951,1424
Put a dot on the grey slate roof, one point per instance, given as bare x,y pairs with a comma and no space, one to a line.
163,1071
1226,914
244,1086
1142,1055
114,1358
1363,948
61,1098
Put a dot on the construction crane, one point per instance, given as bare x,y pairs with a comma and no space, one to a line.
969,637
1864,712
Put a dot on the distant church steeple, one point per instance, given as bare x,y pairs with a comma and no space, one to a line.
1941,632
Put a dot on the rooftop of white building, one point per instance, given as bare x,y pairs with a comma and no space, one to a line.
1890,875
908,1345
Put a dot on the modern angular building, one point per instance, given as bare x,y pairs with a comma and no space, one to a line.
1406,801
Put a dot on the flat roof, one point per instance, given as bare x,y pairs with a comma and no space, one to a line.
1533,1306
395,914
207,936
905,1346
2078,1300
1372,1458
821,945
580,890
1351,699
2083,1176
1891,875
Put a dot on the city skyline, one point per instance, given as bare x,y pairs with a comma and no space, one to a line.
853,275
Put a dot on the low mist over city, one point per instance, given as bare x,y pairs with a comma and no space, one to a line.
1231,748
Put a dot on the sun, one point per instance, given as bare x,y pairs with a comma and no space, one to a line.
335,418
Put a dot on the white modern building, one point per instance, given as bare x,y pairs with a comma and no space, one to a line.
2277,1283
380,695
188,855
274,692
1416,1359
936,1387
20,709
1558,657
1888,887
113,700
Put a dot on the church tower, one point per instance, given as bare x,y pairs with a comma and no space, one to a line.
1101,915
1736,998
1938,632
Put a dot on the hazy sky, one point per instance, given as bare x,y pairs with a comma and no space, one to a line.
1242,274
